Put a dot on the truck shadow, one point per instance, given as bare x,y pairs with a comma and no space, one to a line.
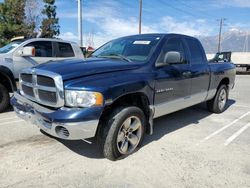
172,122
162,126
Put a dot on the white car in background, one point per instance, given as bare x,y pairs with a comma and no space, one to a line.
24,53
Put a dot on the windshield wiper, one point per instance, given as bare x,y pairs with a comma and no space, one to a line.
116,55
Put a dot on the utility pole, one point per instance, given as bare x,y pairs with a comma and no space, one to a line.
140,16
245,48
80,22
221,24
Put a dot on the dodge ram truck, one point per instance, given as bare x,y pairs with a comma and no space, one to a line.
116,93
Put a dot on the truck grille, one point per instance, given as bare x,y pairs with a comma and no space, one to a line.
45,81
28,91
47,96
43,87
26,77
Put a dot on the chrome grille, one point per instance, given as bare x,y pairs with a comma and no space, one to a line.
26,77
43,87
45,81
47,96
28,90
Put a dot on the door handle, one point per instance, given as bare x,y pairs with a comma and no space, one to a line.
186,73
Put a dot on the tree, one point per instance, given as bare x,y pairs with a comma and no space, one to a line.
12,16
33,12
50,27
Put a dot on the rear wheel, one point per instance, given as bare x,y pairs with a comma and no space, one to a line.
218,103
4,98
122,133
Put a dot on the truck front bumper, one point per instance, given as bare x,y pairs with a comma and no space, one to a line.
44,119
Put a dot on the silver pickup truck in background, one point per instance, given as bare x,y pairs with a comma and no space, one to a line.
24,53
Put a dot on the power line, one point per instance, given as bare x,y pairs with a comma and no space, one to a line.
178,9
182,10
245,48
191,7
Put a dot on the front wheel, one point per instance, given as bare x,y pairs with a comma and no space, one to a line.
122,133
218,103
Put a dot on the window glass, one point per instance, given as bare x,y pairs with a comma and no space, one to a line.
134,48
10,46
195,51
43,48
173,44
65,50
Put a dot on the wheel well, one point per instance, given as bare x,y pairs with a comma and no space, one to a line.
224,81
6,82
137,99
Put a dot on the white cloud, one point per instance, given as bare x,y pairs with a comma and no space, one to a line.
192,27
68,36
113,27
234,3
111,24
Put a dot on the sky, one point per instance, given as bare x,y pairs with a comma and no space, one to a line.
108,19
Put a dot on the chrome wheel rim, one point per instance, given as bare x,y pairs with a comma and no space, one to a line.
222,99
129,135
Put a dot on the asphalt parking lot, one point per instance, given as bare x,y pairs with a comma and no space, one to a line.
189,148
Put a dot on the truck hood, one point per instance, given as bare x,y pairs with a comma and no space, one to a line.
75,68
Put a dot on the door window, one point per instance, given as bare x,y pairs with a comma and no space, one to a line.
196,55
65,50
173,44
43,48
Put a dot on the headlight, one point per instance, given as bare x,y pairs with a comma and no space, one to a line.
83,98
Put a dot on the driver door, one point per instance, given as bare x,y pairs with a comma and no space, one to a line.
173,81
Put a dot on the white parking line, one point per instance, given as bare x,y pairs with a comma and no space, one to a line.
225,127
15,117
243,106
11,122
235,135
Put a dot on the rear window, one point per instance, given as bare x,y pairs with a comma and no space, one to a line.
65,50
196,55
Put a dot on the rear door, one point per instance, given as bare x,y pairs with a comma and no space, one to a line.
173,81
199,70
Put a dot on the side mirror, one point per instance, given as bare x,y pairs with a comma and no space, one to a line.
172,57
28,51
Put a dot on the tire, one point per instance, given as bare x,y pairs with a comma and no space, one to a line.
127,122
218,103
4,98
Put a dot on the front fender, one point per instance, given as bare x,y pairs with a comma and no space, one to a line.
115,85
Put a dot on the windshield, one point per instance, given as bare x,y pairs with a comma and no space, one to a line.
133,48
10,46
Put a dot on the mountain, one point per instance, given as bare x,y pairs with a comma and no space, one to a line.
234,40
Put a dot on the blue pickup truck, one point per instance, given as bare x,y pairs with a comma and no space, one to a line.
115,94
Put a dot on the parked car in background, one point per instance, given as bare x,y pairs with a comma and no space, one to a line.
116,94
24,53
240,59
221,57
